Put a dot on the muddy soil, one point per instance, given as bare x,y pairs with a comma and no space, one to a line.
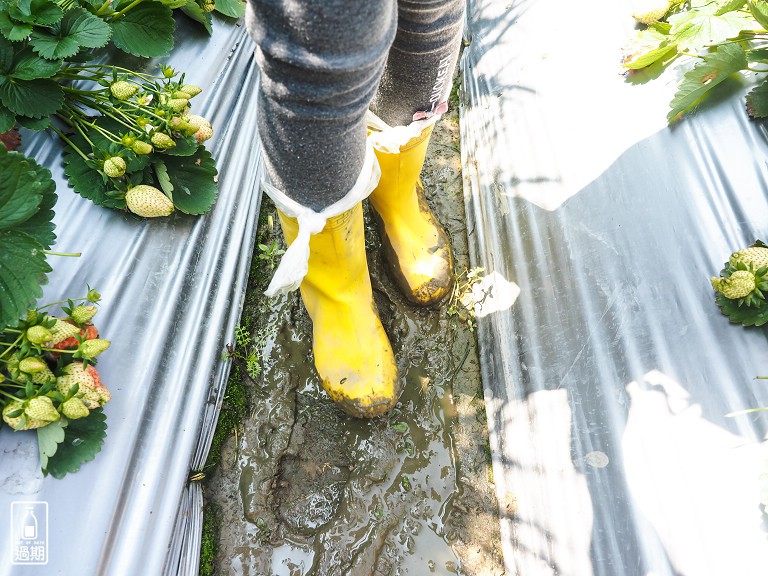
305,489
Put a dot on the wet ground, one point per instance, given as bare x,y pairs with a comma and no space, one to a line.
303,488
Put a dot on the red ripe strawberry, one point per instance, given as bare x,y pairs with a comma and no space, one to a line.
90,332
90,389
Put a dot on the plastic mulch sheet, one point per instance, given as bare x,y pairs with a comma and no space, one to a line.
608,368
172,293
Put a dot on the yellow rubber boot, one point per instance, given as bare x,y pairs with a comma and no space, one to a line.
416,247
353,356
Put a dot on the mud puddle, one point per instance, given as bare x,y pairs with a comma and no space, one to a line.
305,489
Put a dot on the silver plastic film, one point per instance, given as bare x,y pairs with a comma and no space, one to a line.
172,293
608,368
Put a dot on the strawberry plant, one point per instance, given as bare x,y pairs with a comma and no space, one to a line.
740,288
722,38
143,150
48,383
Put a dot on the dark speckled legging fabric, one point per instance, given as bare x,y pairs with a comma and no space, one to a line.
325,62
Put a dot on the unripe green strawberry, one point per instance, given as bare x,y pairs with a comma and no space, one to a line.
148,201
92,348
142,148
740,284
15,422
90,389
39,334
178,104
74,408
162,141
756,255
32,364
43,377
62,331
182,126
114,167
209,6
83,313
191,89
123,90
41,408
651,11
181,95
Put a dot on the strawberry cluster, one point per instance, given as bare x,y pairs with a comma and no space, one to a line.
145,126
47,367
740,289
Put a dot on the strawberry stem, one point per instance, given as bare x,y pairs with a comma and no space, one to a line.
62,302
118,15
68,141
12,346
103,7
72,254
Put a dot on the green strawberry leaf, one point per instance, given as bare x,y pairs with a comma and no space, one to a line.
82,178
78,29
13,31
745,315
161,171
6,55
7,119
34,98
194,181
194,11
758,55
53,47
730,6
696,29
648,46
83,439
22,271
231,8
40,226
757,101
48,439
185,146
173,4
45,12
20,190
146,30
36,124
714,68
759,10
28,66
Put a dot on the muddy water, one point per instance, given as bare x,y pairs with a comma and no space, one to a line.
306,489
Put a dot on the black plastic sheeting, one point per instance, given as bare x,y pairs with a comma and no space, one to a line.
608,368
172,294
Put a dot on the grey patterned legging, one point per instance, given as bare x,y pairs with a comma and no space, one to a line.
325,62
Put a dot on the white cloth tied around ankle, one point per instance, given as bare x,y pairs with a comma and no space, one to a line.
295,262
389,139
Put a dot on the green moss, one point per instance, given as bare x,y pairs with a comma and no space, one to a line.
237,401
234,409
209,542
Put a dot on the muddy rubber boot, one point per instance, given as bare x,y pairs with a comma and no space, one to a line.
353,356
416,248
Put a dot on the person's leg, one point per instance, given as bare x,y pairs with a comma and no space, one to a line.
413,92
422,59
321,61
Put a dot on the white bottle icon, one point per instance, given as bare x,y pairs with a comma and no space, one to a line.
29,525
